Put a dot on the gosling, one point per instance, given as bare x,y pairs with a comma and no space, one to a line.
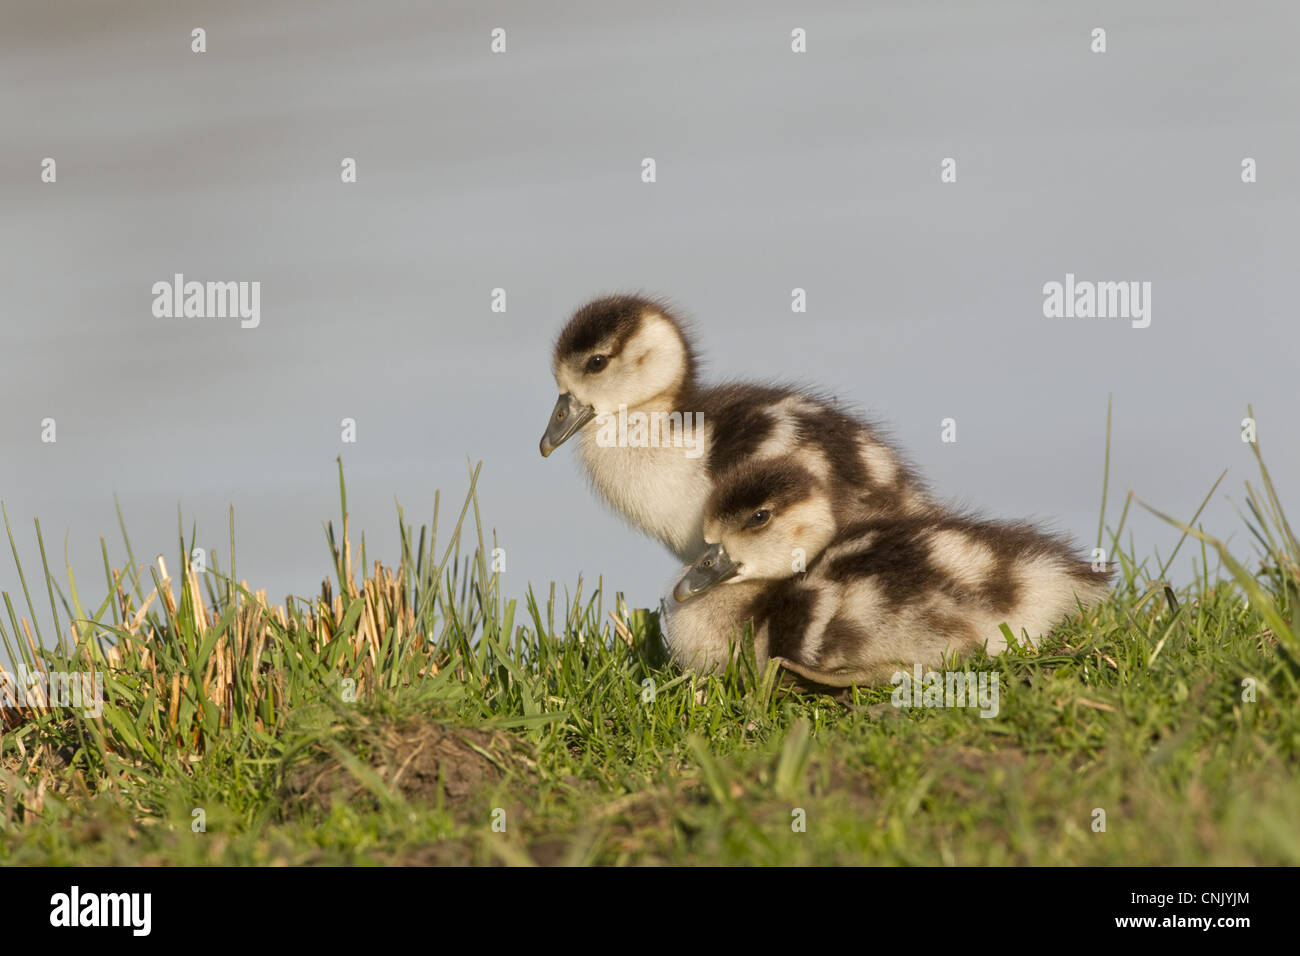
877,595
652,440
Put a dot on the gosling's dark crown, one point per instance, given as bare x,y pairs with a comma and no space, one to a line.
754,485
610,318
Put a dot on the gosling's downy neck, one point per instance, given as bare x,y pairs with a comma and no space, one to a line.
623,356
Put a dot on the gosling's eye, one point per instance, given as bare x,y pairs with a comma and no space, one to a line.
597,363
758,519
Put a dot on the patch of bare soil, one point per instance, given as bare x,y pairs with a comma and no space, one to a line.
421,761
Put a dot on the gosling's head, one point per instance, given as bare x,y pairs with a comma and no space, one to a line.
764,521
618,350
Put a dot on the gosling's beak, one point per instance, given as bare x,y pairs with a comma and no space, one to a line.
712,567
569,415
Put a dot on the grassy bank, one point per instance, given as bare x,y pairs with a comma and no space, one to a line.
414,715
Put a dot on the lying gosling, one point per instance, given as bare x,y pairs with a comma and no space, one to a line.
878,595
626,356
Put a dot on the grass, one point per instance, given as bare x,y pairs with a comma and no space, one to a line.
415,715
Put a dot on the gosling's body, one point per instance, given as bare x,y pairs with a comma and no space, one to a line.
627,355
878,594
704,633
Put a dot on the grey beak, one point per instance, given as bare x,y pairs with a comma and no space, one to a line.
569,415
712,567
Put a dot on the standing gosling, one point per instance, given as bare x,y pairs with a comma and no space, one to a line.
624,356
878,594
